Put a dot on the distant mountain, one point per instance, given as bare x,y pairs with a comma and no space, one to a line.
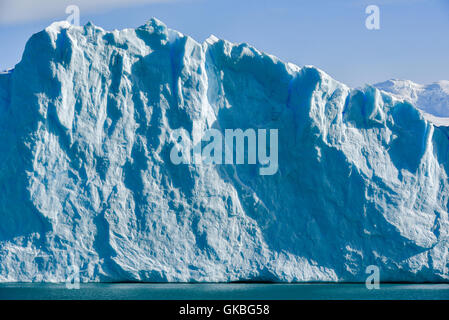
432,98
88,184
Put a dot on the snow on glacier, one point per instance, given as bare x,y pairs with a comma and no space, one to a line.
86,179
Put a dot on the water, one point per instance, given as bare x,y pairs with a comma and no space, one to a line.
230,291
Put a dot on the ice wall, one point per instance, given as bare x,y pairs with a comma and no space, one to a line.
87,181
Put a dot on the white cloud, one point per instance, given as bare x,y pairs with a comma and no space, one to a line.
21,11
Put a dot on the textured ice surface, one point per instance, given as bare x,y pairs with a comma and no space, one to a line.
86,178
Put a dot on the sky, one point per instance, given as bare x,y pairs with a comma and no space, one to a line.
412,42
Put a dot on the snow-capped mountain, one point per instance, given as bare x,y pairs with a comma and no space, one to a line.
87,183
432,99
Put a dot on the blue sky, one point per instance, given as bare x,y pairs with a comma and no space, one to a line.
412,43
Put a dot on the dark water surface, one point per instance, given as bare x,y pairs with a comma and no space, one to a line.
232,291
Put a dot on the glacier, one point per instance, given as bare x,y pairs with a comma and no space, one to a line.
86,123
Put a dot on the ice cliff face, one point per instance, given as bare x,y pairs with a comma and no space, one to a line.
87,183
